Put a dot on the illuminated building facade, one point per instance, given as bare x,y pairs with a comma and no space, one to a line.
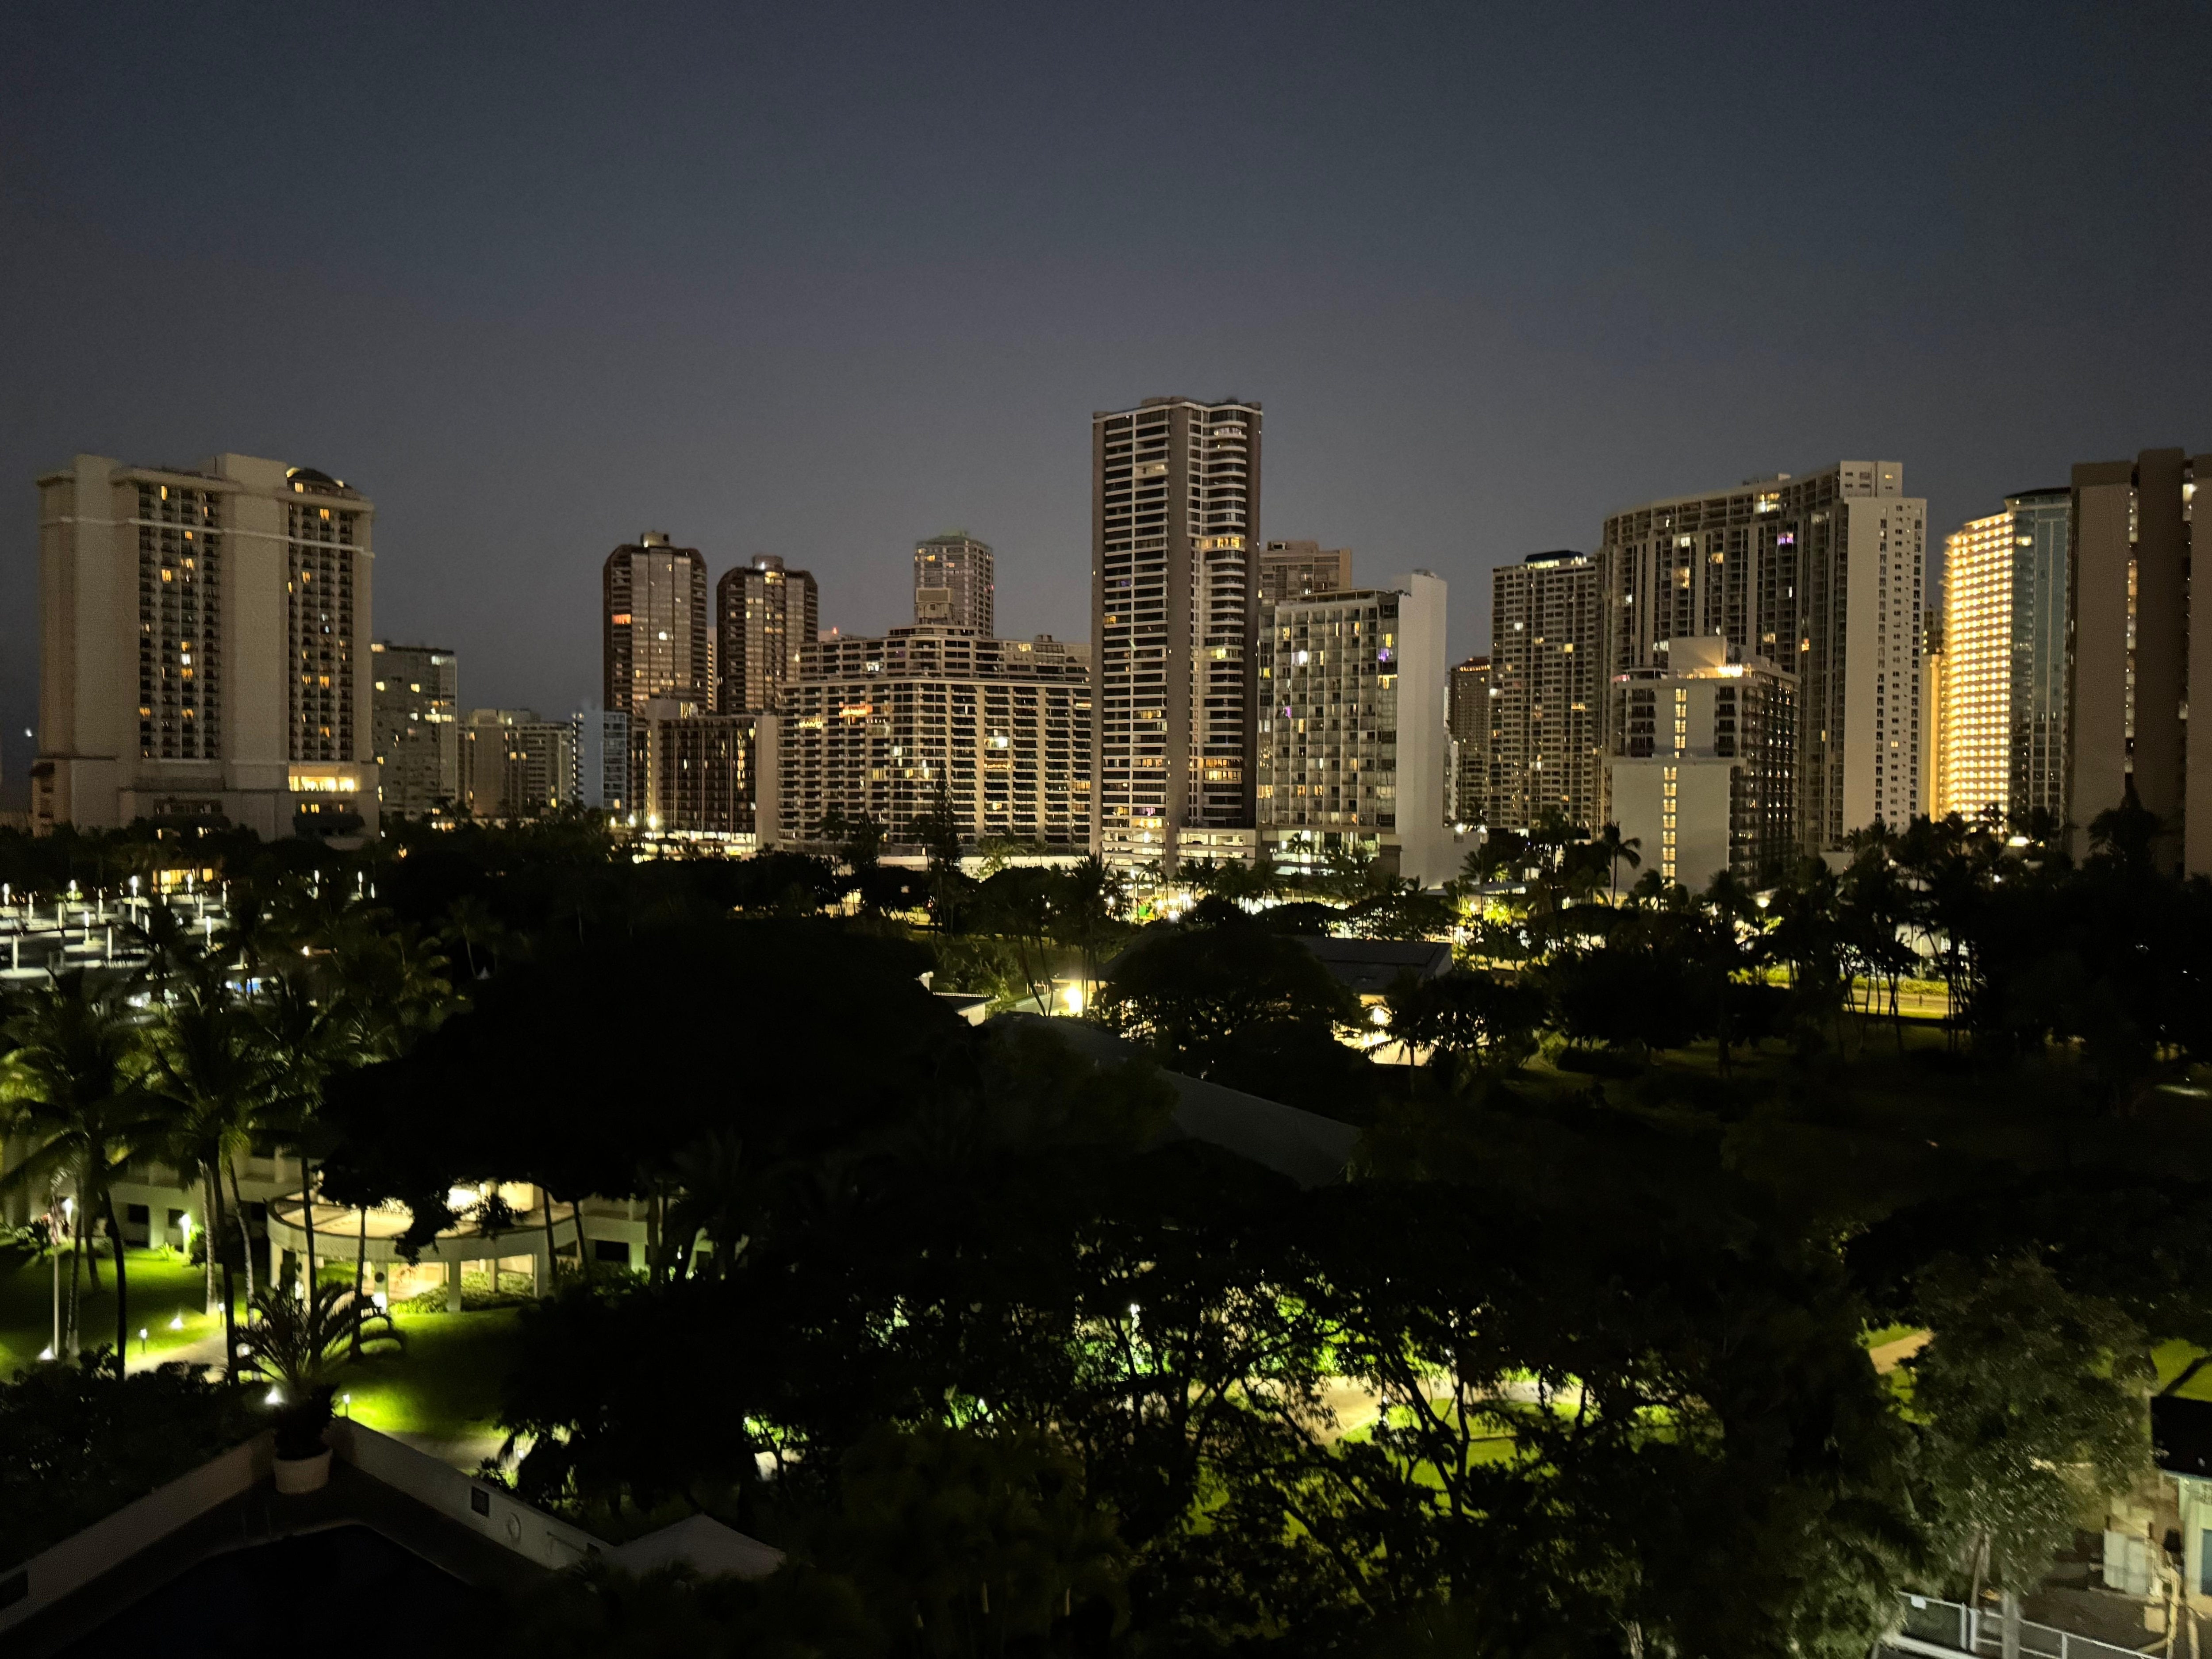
1299,570
600,744
2002,722
953,584
875,727
1935,783
203,650
514,765
1353,752
659,634
418,728
1701,779
1824,575
706,774
762,614
1470,732
1547,753
1174,523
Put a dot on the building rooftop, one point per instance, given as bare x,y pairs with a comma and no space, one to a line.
1370,966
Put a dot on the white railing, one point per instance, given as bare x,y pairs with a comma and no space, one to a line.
1946,1629
489,1511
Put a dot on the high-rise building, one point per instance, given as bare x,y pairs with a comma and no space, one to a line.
201,657
1299,570
1470,735
706,774
1546,750
660,633
1700,780
418,728
660,640
1934,781
514,765
599,741
764,614
1825,576
1353,748
952,584
876,726
2132,654
1175,519
2002,729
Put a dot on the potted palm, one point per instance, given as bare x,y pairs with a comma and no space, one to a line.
298,1344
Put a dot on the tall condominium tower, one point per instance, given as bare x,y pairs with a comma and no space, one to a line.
2133,652
1824,575
1547,753
1352,752
1470,734
417,723
1934,783
2002,725
880,727
659,636
952,585
599,740
1699,777
1299,570
1175,518
203,653
764,614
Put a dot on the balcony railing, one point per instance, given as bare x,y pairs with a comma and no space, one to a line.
1949,1628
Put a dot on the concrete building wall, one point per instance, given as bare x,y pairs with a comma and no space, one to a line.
1353,748
875,726
1175,526
2131,652
763,616
416,726
2100,601
1470,733
955,584
1299,570
599,741
1547,735
204,647
1823,575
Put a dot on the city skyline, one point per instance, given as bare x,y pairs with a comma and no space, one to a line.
524,353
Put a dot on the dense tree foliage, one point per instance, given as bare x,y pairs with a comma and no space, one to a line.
78,1444
1574,1363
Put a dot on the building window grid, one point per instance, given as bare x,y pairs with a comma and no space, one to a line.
180,560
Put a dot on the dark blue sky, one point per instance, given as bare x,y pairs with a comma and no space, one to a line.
817,281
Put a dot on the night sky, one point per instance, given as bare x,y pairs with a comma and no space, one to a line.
818,281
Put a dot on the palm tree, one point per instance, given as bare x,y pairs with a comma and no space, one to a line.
73,1083
212,1074
470,922
299,1344
1617,851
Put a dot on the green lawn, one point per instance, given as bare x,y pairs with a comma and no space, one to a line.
165,1295
2172,1359
445,1386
